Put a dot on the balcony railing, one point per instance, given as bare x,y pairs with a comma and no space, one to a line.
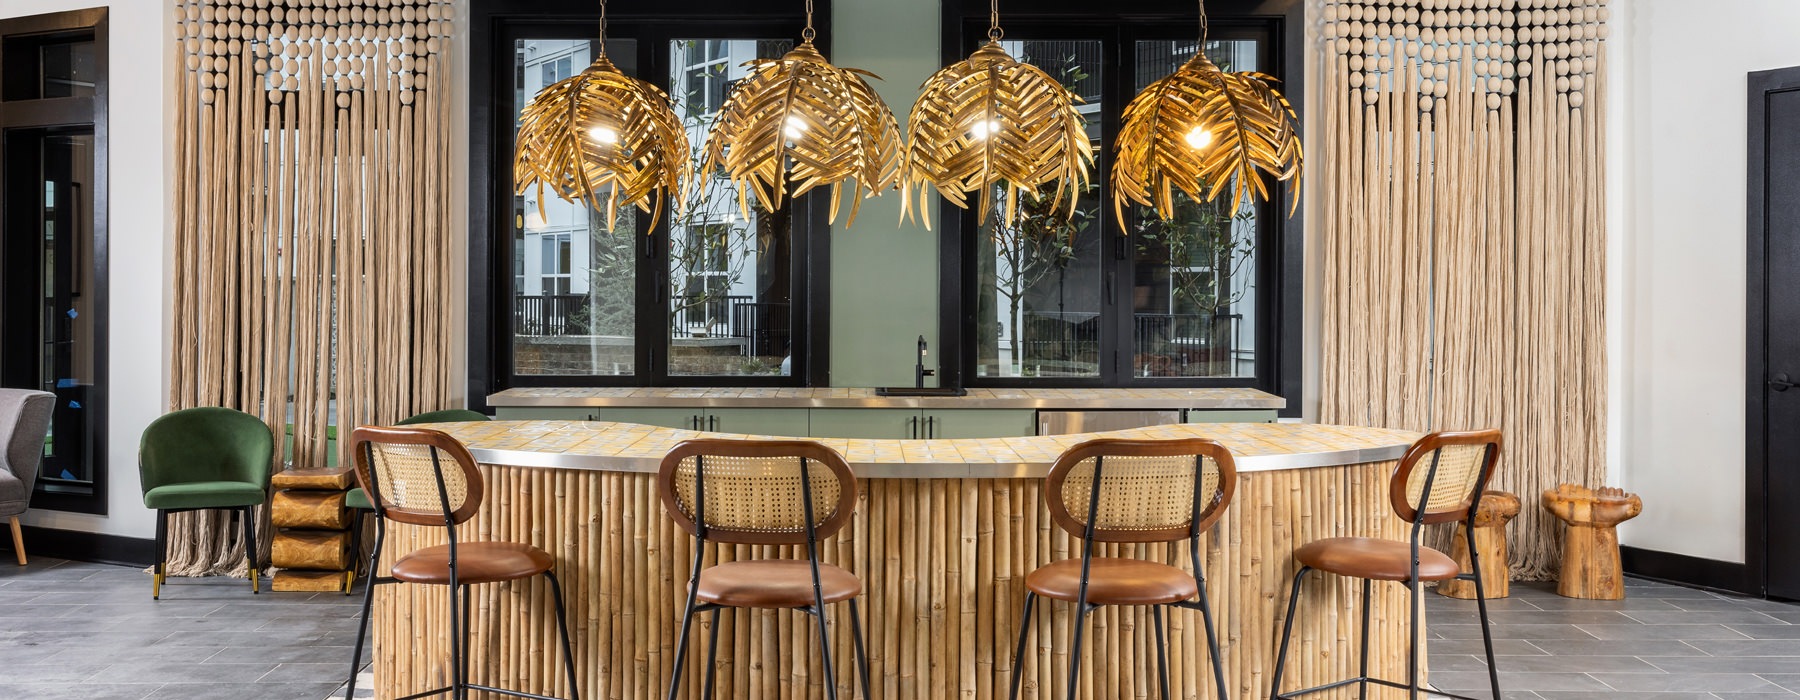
763,324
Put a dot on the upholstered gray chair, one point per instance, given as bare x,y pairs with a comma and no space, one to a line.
24,421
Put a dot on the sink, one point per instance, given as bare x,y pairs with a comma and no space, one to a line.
920,391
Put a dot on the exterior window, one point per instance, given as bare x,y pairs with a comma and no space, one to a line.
585,300
1079,298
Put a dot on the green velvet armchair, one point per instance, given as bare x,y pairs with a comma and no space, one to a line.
205,458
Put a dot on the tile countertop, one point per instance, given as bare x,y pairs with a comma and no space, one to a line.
854,397
628,447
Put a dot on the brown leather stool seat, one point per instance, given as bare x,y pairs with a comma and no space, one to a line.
774,583
1374,558
476,562
1114,582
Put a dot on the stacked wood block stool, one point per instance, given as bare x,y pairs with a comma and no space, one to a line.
311,547
1496,510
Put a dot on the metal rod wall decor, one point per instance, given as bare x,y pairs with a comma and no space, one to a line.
1463,229
312,226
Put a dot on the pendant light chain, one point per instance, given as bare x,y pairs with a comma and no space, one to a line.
808,33
1202,48
994,31
603,27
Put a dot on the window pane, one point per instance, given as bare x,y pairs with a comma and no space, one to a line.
68,69
574,306
1194,292
730,279
1039,284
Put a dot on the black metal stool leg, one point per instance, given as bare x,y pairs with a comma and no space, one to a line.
362,629
467,633
357,521
1487,637
458,687
1162,653
712,656
1287,633
825,651
681,640
1362,667
1412,640
1081,613
562,626
1212,639
862,656
1018,669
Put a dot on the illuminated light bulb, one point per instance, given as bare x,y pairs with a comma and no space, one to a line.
604,135
795,126
984,128
1199,138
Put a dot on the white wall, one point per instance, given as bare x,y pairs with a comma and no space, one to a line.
138,231
1677,186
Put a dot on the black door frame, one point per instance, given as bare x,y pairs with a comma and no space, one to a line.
1754,574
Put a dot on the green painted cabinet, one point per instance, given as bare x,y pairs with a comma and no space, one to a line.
867,423
1196,415
664,417
979,422
781,422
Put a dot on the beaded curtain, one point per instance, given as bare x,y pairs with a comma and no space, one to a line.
313,236
1463,232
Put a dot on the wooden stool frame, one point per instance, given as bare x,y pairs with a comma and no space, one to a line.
1204,514
1419,516
363,446
807,452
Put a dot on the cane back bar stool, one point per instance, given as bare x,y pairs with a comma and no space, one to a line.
357,499
1132,491
417,476
762,492
1448,490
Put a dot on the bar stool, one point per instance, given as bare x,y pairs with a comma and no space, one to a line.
762,492
357,499
1447,491
404,472
1132,491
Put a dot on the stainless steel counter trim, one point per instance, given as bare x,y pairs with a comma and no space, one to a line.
932,470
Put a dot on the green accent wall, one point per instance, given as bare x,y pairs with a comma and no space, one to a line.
884,274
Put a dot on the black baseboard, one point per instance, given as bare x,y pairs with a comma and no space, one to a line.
1710,574
88,546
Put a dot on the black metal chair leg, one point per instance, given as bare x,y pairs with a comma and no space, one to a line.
862,656
458,687
562,626
467,633
712,656
362,628
1487,637
162,553
250,549
1362,667
1412,640
1287,633
1018,669
1212,640
1162,653
1081,613
825,650
681,640
357,521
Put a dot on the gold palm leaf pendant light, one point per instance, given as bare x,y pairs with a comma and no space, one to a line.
604,139
991,119
798,122
1200,130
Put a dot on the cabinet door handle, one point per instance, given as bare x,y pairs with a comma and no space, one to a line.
694,421
931,427
912,427
712,423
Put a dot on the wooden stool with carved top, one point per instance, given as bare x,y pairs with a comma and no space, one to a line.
1590,555
1496,510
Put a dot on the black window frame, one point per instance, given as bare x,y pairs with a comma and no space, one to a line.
1279,269
18,363
494,27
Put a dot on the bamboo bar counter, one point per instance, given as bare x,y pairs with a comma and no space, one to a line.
944,533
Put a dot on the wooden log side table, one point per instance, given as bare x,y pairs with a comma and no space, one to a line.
311,547
1590,554
1497,508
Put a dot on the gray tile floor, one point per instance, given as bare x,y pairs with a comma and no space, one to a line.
90,631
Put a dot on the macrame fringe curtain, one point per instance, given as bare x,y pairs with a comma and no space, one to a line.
313,229
1463,227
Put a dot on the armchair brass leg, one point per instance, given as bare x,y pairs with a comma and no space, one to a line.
162,541
18,541
250,549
